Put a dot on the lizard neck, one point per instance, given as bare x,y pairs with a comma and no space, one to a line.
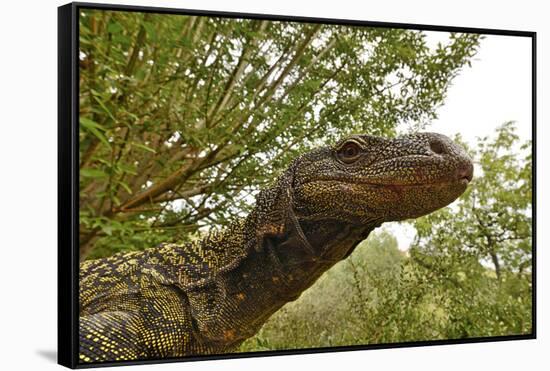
307,251
248,291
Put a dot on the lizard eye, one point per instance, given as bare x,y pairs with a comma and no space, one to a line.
349,152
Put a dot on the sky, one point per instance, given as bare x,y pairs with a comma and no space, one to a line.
496,89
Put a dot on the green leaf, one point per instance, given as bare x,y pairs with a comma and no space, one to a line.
94,128
103,106
125,186
114,27
108,229
93,173
88,123
116,201
143,147
128,169
150,29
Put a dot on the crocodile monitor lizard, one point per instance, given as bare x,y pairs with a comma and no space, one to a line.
209,296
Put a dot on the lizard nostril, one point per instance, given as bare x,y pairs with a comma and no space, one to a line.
437,147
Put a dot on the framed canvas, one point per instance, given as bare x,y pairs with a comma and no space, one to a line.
237,185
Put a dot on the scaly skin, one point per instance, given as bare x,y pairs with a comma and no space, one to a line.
208,297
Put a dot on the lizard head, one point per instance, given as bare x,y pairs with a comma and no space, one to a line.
358,184
364,178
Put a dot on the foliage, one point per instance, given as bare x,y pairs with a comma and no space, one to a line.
480,250
183,118
467,274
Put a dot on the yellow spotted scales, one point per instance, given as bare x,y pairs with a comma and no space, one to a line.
207,297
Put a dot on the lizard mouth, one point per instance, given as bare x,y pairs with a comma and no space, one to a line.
462,174
463,180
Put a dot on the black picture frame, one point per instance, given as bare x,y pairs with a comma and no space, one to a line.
68,175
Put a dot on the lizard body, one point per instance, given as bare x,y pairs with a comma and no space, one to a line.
207,297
